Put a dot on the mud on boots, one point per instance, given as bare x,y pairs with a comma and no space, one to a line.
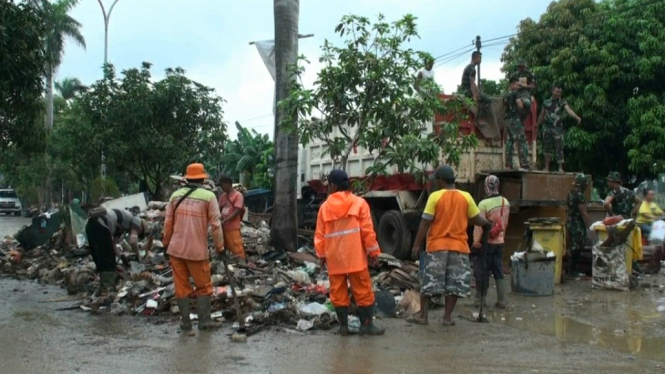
343,320
345,224
185,237
203,307
367,327
184,308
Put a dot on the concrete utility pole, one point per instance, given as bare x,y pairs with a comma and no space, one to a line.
284,228
107,17
478,45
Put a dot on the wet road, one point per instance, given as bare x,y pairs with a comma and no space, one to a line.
576,331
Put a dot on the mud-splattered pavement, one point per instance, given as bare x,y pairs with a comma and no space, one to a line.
578,330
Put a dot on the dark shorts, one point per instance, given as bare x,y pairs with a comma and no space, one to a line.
446,273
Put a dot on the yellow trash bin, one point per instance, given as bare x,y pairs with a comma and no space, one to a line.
552,238
633,244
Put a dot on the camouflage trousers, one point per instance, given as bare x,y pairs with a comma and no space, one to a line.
484,103
552,138
578,236
517,137
446,273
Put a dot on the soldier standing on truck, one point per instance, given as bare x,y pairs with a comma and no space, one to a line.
470,89
527,84
447,270
577,223
620,200
552,129
512,109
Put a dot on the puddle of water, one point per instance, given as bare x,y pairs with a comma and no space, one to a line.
631,337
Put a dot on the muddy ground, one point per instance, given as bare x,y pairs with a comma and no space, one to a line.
578,330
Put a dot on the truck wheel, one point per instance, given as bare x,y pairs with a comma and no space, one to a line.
394,236
17,214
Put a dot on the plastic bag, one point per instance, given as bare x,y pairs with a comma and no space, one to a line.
609,268
313,308
657,235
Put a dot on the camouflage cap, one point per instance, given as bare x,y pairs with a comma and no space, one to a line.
520,63
614,176
581,180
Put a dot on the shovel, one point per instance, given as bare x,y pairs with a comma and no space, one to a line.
240,334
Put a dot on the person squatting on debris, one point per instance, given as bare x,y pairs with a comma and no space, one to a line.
232,205
513,108
105,229
552,131
527,83
648,212
620,200
495,208
343,240
469,87
189,213
577,223
444,223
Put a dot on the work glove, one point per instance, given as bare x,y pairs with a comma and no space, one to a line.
373,261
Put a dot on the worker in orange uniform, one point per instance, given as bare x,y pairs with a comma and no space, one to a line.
232,205
343,240
189,213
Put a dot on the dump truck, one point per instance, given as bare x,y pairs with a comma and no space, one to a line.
397,200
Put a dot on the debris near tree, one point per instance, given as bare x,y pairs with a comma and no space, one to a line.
279,289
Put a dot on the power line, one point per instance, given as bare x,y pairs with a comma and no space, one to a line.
501,37
450,53
449,59
255,118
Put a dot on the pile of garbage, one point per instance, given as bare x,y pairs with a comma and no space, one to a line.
273,288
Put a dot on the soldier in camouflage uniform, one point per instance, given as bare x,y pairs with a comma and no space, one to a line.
527,83
512,108
551,126
578,221
620,200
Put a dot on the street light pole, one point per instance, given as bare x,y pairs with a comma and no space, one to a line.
107,17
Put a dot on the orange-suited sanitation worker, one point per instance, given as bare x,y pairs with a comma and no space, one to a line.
189,213
344,240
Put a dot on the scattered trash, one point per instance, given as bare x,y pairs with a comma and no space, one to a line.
304,325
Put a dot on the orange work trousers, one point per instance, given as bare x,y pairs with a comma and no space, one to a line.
233,243
361,288
198,270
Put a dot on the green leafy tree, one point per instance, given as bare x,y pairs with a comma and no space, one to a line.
148,130
60,27
366,97
22,36
251,154
608,57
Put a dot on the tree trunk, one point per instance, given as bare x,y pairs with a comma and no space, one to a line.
49,99
284,231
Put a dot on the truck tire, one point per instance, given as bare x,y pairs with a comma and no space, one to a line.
394,235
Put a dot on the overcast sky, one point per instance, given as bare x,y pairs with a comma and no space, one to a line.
209,39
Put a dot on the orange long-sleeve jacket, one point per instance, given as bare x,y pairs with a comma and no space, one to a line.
345,234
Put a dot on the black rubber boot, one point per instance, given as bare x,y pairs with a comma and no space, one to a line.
185,321
203,310
367,323
343,319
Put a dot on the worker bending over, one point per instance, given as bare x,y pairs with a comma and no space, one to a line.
343,240
105,230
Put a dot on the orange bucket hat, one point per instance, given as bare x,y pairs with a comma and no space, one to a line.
196,171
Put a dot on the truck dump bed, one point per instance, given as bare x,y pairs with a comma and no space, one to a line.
489,155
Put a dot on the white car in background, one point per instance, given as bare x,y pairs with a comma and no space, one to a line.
9,202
